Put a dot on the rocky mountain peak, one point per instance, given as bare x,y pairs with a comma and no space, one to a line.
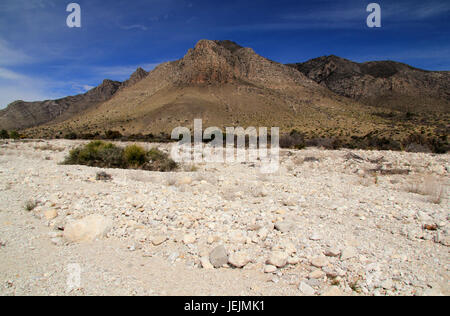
137,76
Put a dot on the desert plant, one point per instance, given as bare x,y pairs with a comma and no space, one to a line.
97,154
4,134
159,161
294,140
71,136
135,155
103,176
14,135
107,155
113,135
30,205
430,187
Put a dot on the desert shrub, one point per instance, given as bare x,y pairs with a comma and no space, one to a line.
71,136
14,135
107,155
322,142
430,187
135,155
4,134
421,143
112,135
159,161
30,205
103,176
294,140
97,154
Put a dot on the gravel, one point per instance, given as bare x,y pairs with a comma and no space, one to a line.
329,226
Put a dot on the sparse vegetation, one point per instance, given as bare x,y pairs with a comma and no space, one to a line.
14,135
4,134
430,187
103,176
294,140
135,155
30,205
107,155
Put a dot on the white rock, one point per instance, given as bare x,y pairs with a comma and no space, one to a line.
319,262
278,259
348,253
239,259
317,274
50,214
206,264
332,291
305,289
87,229
189,239
159,240
270,268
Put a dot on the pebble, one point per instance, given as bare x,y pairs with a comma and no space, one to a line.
278,259
50,214
319,262
317,274
218,257
159,240
189,239
270,268
239,260
348,253
305,289
332,291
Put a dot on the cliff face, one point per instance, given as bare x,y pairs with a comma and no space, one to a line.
385,84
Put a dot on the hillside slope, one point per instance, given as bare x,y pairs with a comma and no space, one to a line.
225,85
385,84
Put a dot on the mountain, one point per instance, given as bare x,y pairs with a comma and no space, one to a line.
225,85
228,85
384,84
21,115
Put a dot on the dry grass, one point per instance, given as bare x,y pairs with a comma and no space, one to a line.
430,187
49,147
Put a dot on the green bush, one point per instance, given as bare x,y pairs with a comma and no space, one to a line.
4,134
159,161
107,155
71,136
135,155
14,135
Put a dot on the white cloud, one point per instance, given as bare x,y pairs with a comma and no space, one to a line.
16,86
134,27
10,56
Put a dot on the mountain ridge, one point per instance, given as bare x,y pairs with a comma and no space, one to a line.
389,84
227,85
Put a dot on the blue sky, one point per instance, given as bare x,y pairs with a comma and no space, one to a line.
41,58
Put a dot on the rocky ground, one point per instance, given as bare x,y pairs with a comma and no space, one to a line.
328,223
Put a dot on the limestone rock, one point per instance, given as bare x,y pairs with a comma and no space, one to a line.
87,229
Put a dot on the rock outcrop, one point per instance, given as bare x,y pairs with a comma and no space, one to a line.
385,84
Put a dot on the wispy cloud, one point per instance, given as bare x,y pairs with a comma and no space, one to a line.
17,86
11,56
134,27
